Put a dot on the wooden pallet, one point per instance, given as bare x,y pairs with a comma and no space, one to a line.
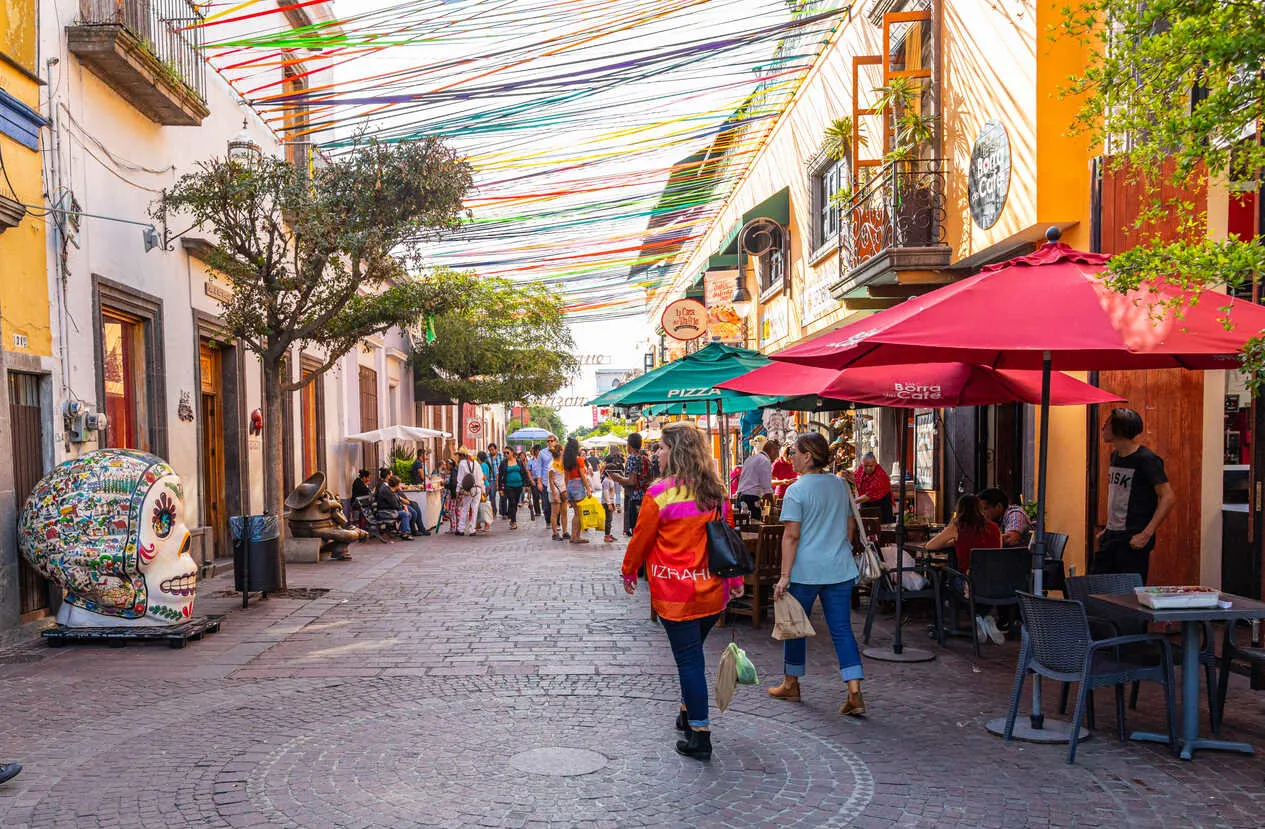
176,636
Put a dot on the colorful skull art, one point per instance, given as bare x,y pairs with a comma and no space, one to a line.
109,528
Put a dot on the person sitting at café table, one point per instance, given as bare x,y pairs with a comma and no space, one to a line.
873,487
968,530
1016,526
756,479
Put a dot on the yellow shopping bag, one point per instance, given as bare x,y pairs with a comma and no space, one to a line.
592,514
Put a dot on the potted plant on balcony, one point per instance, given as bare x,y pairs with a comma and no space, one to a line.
914,186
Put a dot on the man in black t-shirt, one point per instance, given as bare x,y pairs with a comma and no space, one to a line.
1139,497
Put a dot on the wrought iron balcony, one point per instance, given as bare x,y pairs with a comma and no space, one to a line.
149,51
893,223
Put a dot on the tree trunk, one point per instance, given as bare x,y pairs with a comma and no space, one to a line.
274,430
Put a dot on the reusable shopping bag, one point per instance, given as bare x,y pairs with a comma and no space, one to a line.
734,669
789,619
592,514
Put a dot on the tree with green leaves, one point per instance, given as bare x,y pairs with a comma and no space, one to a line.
319,259
1180,85
503,343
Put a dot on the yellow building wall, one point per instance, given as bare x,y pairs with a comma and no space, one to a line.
24,308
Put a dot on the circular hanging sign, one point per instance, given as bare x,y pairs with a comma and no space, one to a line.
685,319
474,427
989,179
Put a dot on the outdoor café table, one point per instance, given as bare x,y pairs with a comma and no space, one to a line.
1190,618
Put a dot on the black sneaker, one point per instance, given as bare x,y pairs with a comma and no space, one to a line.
8,771
566,536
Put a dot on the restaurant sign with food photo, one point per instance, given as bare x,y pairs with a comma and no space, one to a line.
723,323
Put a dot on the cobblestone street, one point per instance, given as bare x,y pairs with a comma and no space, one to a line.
508,681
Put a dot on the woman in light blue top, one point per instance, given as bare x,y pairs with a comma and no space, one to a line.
817,561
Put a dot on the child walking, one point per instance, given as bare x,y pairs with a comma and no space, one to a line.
610,492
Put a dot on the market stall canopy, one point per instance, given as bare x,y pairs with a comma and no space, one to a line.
689,379
397,433
530,433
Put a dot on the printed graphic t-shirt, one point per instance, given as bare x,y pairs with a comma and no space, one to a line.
1131,483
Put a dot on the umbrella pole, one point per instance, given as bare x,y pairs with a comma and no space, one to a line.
1036,731
898,652
897,643
1037,718
724,447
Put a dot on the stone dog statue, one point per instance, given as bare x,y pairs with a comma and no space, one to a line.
315,512
108,526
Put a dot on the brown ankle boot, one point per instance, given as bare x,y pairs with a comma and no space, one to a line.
788,690
855,706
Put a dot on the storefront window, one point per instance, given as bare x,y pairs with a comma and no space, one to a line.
829,183
123,352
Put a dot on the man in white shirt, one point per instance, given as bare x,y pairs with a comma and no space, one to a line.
468,499
756,479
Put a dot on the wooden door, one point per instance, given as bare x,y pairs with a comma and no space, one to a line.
26,419
214,514
1169,400
369,414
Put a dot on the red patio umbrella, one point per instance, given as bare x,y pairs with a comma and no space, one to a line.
1048,310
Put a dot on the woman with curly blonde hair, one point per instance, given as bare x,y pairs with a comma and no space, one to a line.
670,540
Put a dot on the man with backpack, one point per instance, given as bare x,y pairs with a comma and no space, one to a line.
470,483
635,479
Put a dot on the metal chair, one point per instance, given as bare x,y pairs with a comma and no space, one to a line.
768,569
1057,644
1080,588
996,575
884,589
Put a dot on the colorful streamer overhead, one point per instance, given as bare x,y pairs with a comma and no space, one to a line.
605,136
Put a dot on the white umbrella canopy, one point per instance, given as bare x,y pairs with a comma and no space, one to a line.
397,432
602,441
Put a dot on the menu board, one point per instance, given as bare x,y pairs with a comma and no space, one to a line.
925,449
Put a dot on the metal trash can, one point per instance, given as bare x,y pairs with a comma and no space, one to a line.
256,548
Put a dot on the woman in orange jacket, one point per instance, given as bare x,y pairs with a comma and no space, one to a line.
670,540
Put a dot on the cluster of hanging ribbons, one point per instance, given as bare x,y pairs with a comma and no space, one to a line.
604,136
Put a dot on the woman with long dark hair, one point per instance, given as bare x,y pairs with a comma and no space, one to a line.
670,541
577,484
968,530
817,562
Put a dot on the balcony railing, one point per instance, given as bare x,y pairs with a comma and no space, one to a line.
169,29
900,206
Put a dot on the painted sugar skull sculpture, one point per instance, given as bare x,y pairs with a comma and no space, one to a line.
109,527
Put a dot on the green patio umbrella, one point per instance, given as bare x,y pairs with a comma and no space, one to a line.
730,402
689,379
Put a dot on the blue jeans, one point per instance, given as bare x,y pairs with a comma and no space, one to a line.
687,648
406,523
415,516
836,605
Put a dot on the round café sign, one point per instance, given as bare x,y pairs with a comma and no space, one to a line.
685,319
989,180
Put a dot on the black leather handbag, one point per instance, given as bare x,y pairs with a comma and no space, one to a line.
727,554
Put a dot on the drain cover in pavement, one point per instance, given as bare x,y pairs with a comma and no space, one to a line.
557,761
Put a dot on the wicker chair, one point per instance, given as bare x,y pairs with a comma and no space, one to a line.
1080,588
1230,651
1057,644
996,576
1055,573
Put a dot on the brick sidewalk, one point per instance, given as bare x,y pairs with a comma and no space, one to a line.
450,682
